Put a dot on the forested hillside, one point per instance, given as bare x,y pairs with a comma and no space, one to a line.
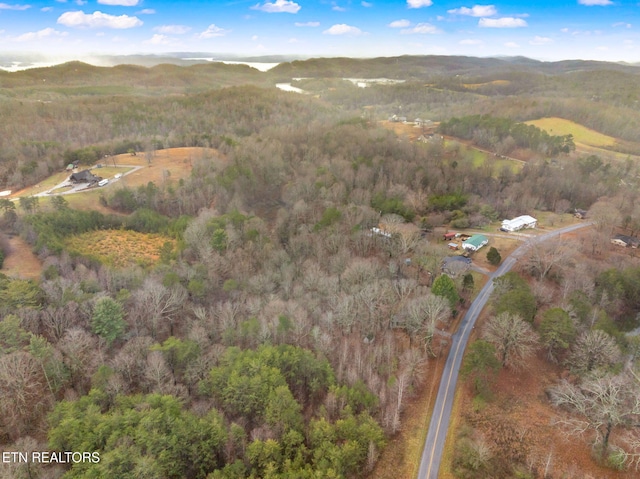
275,333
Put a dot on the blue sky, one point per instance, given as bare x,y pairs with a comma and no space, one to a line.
546,30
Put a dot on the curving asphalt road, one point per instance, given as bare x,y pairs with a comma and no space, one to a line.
434,444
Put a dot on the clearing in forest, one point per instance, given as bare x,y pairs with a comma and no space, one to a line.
581,134
120,248
20,262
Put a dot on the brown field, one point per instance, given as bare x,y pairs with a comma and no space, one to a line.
177,162
119,248
21,262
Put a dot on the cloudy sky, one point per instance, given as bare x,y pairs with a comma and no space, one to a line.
546,30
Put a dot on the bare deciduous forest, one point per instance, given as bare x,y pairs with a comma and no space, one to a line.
297,302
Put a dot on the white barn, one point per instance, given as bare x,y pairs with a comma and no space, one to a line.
521,222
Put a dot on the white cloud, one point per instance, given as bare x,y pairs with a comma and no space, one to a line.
146,11
564,30
40,34
537,40
343,29
121,3
4,6
511,45
293,40
213,31
603,49
504,22
98,20
338,8
421,29
400,24
46,9
366,4
419,3
254,38
470,42
591,3
307,24
279,6
159,39
81,2
173,29
475,11
621,24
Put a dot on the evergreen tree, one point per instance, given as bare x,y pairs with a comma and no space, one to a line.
445,287
493,256
107,320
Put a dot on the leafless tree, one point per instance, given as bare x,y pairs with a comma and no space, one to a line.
81,355
542,257
593,350
156,307
422,315
24,395
514,339
601,404
605,215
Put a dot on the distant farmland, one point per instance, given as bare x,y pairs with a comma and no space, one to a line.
581,134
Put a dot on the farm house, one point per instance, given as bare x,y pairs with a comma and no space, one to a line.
475,242
519,223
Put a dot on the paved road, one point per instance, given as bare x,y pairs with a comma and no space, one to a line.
432,453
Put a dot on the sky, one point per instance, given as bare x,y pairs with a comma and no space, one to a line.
544,30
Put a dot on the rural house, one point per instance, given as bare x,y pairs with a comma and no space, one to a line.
521,222
84,176
580,214
475,242
625,241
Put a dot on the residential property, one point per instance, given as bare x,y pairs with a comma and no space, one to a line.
625,241
519,223
581,214
475,242
84,176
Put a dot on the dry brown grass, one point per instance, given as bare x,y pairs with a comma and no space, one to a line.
119,248
178,162
21,262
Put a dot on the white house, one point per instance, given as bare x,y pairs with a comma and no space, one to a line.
519,223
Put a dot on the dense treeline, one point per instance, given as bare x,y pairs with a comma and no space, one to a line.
504,135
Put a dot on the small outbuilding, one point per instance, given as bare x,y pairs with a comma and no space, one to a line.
580,214
475,242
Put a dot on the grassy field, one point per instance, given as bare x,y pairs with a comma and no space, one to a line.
119,248
581,134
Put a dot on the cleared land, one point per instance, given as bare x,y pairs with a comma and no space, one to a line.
581,134
119,248
21,262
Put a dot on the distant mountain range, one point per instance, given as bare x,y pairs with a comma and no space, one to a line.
419,68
